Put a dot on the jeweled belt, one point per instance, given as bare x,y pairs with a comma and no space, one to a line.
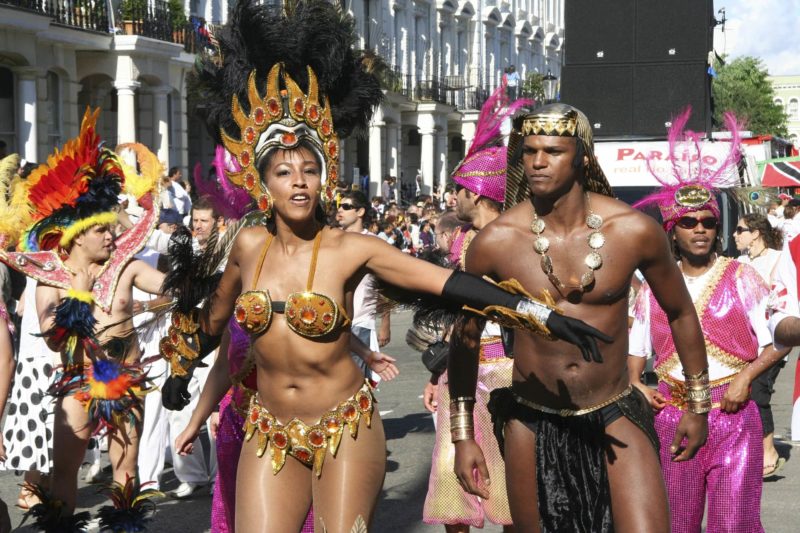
307,443
572,412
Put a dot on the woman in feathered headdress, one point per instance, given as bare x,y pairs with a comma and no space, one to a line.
60,221
283,87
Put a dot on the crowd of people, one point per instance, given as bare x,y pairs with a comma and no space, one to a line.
254,300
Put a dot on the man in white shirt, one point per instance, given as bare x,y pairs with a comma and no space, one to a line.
350,216
730,298
512,79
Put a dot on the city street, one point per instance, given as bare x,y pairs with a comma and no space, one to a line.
409,432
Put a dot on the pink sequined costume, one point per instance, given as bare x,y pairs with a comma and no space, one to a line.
230,434
730,300
728,467
482,172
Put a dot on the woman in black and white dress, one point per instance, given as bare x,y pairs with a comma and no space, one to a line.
28,428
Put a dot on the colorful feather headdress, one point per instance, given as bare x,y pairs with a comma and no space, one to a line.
283,77
694,179
483,170
76,189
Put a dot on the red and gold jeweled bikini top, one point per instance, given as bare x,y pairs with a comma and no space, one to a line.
309,314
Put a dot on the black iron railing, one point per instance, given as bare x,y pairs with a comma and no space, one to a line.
89,15
146,19
393,79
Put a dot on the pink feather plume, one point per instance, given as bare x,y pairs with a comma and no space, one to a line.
687,165
230,201
494,111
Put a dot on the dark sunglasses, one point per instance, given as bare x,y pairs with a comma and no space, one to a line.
691,223
347,207
739,230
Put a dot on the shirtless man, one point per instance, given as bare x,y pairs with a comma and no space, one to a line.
575,437
73,425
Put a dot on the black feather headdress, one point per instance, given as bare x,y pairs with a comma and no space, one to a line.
299,34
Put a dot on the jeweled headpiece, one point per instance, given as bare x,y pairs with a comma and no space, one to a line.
282,118
556,120
76,189
483,170
693,181
286,77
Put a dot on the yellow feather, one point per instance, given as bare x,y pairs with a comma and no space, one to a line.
8,168
140,183
15,212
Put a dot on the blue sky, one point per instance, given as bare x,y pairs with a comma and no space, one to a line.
769,29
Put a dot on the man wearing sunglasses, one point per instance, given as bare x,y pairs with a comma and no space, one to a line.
351,214
730,298
576,437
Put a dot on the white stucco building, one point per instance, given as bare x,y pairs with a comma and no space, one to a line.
787,95
448,55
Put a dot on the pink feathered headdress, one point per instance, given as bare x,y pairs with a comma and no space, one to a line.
230,201
483,170
693,183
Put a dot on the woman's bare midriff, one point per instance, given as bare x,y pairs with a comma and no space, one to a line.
303,378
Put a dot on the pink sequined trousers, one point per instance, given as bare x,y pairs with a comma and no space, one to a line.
230,436
446,502
727,469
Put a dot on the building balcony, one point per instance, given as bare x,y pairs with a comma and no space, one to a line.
146,19
153,19
90,15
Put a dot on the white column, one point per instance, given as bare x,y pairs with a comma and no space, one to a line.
161,123
393,149
376,154
344,172
468,123
126,110
72,112
28,113
183,127
427,158
441,158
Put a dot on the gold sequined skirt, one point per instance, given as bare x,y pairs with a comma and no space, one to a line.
307,443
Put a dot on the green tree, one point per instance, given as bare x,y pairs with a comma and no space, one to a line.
742,86
533,86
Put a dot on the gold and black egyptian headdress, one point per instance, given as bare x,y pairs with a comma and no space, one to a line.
560,120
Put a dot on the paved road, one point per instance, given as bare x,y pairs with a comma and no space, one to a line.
409,432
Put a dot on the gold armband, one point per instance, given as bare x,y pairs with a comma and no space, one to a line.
512,318
698,392
181,346
462,426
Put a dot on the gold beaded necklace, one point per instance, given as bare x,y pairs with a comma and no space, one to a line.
593,259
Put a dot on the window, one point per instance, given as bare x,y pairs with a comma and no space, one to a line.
792,110
7,111
53,106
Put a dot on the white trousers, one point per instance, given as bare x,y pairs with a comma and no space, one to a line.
161,428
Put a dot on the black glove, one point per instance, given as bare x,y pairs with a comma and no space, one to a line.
175,392
579,333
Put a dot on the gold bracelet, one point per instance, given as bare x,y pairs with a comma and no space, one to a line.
460,434
462,425
698,392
